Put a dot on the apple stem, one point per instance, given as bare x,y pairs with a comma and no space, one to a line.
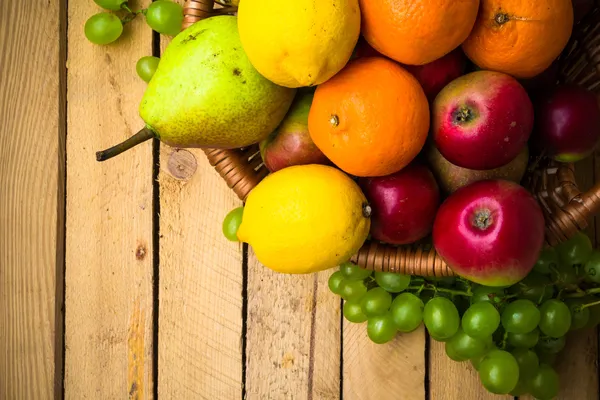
483,219
140,137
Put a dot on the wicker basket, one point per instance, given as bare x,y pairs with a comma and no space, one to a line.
566,209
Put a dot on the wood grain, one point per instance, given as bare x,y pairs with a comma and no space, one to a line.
31,199
109,218
200,315
451,380
394,371
293,337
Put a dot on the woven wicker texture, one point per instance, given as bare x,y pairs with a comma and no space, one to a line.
566,209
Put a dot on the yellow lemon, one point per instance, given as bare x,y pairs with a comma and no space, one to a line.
298,43
305,219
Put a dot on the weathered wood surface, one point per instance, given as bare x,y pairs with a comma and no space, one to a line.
32,155
157,301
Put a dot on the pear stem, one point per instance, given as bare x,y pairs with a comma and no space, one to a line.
140,137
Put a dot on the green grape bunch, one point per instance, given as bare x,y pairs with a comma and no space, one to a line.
163,16
511,335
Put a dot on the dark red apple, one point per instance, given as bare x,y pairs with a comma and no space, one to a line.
290,144
404,204
451,177
435,75
482,120
364,49
567,123
490,232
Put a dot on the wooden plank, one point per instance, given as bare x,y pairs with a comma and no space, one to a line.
293,337
31,199
394,371
453,380
109,239
200,317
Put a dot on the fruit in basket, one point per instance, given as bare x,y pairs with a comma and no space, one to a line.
434,76
403,204
451,177
205,93
371,119
490,232
290,144
417,32
305,218
300,42
165,17
568,123
482,120
519,38
146,67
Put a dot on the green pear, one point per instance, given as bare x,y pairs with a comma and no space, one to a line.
205,93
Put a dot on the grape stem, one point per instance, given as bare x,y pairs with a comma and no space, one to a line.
582,293
594,303
443,290
504,340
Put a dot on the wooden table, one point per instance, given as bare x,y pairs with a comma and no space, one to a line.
115,279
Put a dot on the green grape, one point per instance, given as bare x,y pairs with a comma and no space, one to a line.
334,282
579,316
441,318
463,347
114,5
520,316
481,320
353,272
485,293
353,312
555,318
352,290
476,361
499,372
381,328
535,287
376,302
594,319
393,283
103,28
547,358
407,312
521,389
165,17
592,267
564,274
146,67
550,345
232,223
544,384
576,250
524,340
528,362
547,260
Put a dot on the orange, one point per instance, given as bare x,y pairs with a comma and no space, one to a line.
417,32
371,119
519,38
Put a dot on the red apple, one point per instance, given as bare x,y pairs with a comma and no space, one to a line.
404,204
490,232
451,177
568,123
364,49
290,144
435,75
482,120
